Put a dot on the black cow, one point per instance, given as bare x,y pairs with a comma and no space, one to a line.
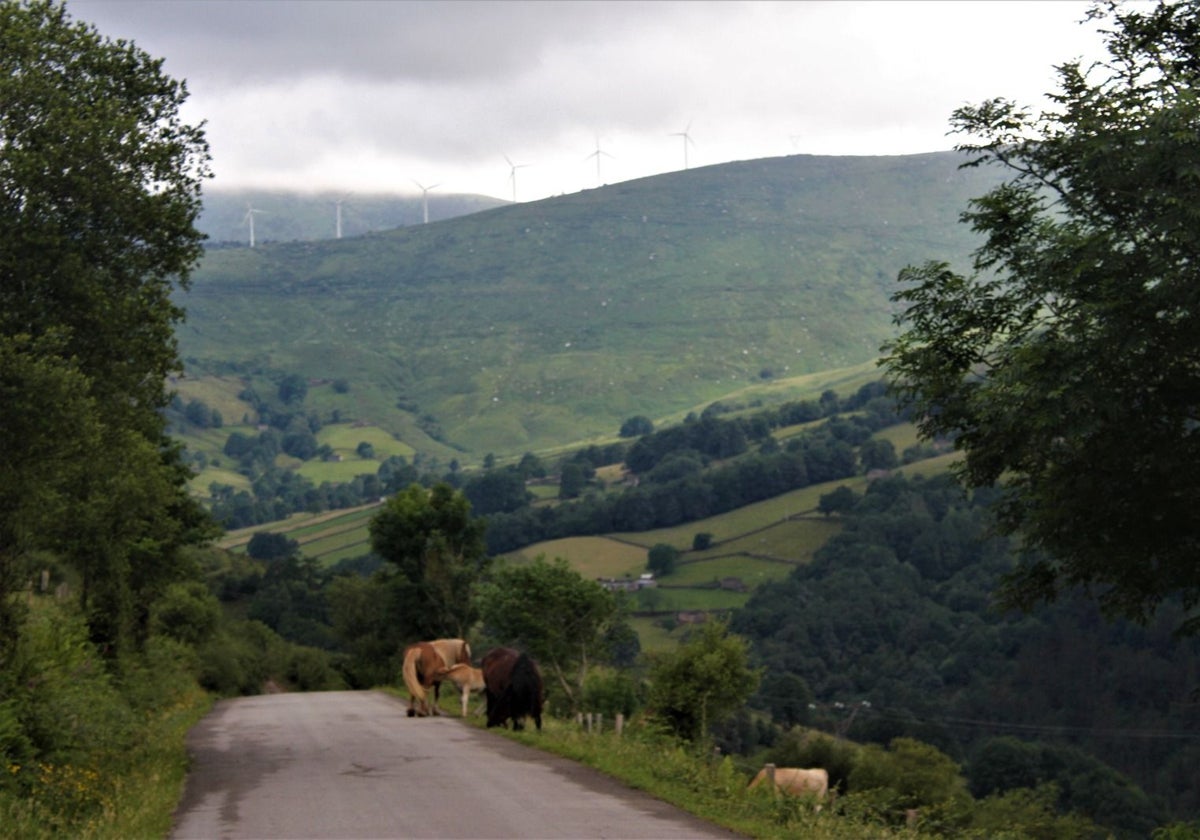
513,685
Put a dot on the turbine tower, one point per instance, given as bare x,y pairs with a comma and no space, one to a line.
597,155
248,219
338,205
512,175
687,138
425,198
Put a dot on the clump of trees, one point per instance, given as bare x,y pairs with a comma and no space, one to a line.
1067,365
100,182
99,191
898,610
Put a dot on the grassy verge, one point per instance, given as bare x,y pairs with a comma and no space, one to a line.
712,788
128,794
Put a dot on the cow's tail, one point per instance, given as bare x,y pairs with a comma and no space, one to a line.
412,682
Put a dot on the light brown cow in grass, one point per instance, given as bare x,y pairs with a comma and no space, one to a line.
795,780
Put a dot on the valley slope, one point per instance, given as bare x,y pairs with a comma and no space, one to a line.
542,324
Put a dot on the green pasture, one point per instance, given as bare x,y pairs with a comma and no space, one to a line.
200,482
344,439
901,436
752,571
543,492
932,466
219,393
592,557
354,519
793,540
329,548
327,537
738,522
678,600
337,472
304,523
653,637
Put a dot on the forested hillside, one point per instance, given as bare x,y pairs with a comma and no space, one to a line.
892,631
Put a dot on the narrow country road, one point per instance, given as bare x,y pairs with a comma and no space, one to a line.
351,765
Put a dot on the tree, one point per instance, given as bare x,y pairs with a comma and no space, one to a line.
265,545
571,480
497,491
563,620
661,559
99,191
437,551
840,500
916,774
1067,365
703,682
293,388
42,395
636,426
878,454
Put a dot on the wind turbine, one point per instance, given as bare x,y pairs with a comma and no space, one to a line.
597,155
425,198
687,138
512,175
338,205
248,219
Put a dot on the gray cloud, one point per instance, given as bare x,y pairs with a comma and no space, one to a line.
370,95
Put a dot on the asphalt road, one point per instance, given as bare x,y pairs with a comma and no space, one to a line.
352,765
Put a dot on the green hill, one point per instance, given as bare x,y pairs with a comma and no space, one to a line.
536,325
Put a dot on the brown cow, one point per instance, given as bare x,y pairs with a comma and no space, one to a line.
795,780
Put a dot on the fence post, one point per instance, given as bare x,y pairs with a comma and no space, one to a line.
619,724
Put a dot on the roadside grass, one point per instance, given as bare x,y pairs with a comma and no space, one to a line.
147,793
695,780
116,769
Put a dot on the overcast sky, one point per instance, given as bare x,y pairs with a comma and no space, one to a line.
377,95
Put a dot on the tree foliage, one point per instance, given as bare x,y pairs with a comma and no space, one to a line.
548,609
897,610
99,191
662,558
436,548
1067,365
707,679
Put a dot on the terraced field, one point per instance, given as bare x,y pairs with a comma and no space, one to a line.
750,546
